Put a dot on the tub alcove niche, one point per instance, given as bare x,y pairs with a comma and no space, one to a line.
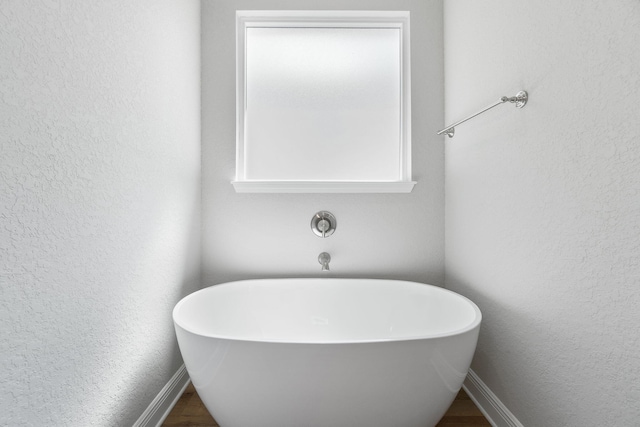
391,226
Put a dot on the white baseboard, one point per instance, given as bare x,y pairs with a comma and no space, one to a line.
488,403
159,408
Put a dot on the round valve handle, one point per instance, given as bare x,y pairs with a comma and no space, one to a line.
323,224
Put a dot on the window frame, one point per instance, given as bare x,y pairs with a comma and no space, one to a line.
330,19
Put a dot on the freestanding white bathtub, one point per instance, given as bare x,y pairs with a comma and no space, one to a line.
326,352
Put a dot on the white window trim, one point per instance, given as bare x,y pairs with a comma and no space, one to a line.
301,19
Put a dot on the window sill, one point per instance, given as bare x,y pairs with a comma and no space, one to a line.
323,186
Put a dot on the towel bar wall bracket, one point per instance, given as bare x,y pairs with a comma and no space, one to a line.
520,100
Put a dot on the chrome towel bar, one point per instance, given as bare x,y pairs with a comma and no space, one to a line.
520,100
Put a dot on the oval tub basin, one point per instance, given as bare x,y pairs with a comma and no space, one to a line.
326,352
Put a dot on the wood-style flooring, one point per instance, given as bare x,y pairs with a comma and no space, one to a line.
190,412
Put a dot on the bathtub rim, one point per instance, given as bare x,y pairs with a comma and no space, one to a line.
475,324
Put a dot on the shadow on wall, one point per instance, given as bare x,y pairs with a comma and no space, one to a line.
185,243
522,327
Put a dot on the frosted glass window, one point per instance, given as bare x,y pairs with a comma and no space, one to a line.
322,100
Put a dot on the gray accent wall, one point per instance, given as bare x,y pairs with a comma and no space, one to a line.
269,235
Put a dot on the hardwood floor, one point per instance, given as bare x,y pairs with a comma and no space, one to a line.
463,413
190,412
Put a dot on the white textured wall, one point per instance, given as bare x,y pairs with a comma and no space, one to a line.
99,204
268,235
543,204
